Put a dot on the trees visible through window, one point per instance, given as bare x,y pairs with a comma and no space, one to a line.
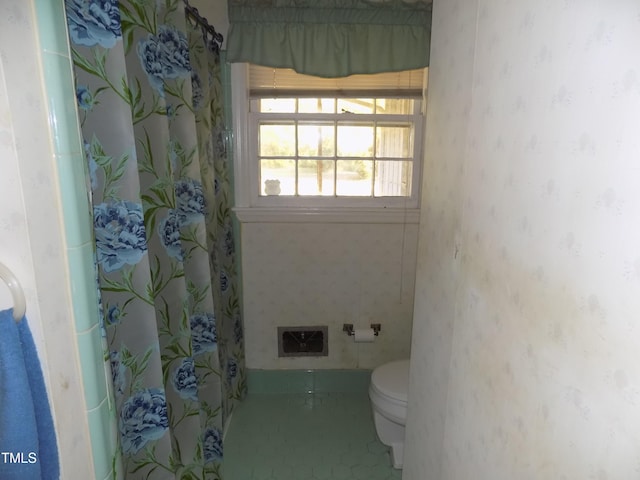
335,147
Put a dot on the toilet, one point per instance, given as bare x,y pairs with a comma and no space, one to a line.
388,394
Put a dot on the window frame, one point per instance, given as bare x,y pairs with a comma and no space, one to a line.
251,206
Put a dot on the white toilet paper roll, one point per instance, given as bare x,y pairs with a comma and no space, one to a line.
363,335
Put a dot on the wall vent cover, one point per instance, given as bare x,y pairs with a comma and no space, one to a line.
302,341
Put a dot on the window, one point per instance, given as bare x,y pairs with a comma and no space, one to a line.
335,147
315,142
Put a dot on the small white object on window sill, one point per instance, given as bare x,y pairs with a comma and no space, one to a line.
272,187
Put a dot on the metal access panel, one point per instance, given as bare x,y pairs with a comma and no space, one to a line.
303,341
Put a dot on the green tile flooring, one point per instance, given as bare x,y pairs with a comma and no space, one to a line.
299,436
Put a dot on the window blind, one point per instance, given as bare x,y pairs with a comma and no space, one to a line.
268,82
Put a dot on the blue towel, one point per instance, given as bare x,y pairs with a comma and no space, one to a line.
28,448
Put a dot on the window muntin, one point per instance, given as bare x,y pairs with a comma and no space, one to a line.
335,147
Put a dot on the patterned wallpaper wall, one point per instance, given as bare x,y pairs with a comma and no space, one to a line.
328,274
526,333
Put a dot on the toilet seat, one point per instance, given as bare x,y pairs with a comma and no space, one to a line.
388,390
392,380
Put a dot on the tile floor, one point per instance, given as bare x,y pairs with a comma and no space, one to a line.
305,436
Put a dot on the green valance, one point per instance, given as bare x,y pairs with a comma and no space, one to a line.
331,38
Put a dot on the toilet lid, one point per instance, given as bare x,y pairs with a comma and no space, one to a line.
392,379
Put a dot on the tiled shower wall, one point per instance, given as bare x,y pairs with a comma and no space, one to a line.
302,274
71,169
45,214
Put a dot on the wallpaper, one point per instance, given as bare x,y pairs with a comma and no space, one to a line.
297,274
439,244
528,286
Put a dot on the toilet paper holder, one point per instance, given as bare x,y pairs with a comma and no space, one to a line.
348,327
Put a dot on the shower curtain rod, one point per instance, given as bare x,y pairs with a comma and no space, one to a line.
195,15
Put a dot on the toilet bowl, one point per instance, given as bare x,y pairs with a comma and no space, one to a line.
388,393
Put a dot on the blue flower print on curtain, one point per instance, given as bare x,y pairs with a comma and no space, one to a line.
143,418
229,245
203,333
196,88
164,56
238,331
220,147
212,445
232,369
169,232
84,97
176,51
185,381
94,22
120,234
118,373
224,281
190,200
113,315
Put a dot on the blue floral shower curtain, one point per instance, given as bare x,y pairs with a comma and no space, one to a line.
150,100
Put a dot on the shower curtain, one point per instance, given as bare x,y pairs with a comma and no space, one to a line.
150,101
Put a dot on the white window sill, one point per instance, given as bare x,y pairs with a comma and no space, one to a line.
326,215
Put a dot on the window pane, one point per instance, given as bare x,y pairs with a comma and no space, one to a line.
315,177
355,105
277,140
278,177
316,105
278,105
315,140
355,140
397,106
354,178
393,141
393,179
